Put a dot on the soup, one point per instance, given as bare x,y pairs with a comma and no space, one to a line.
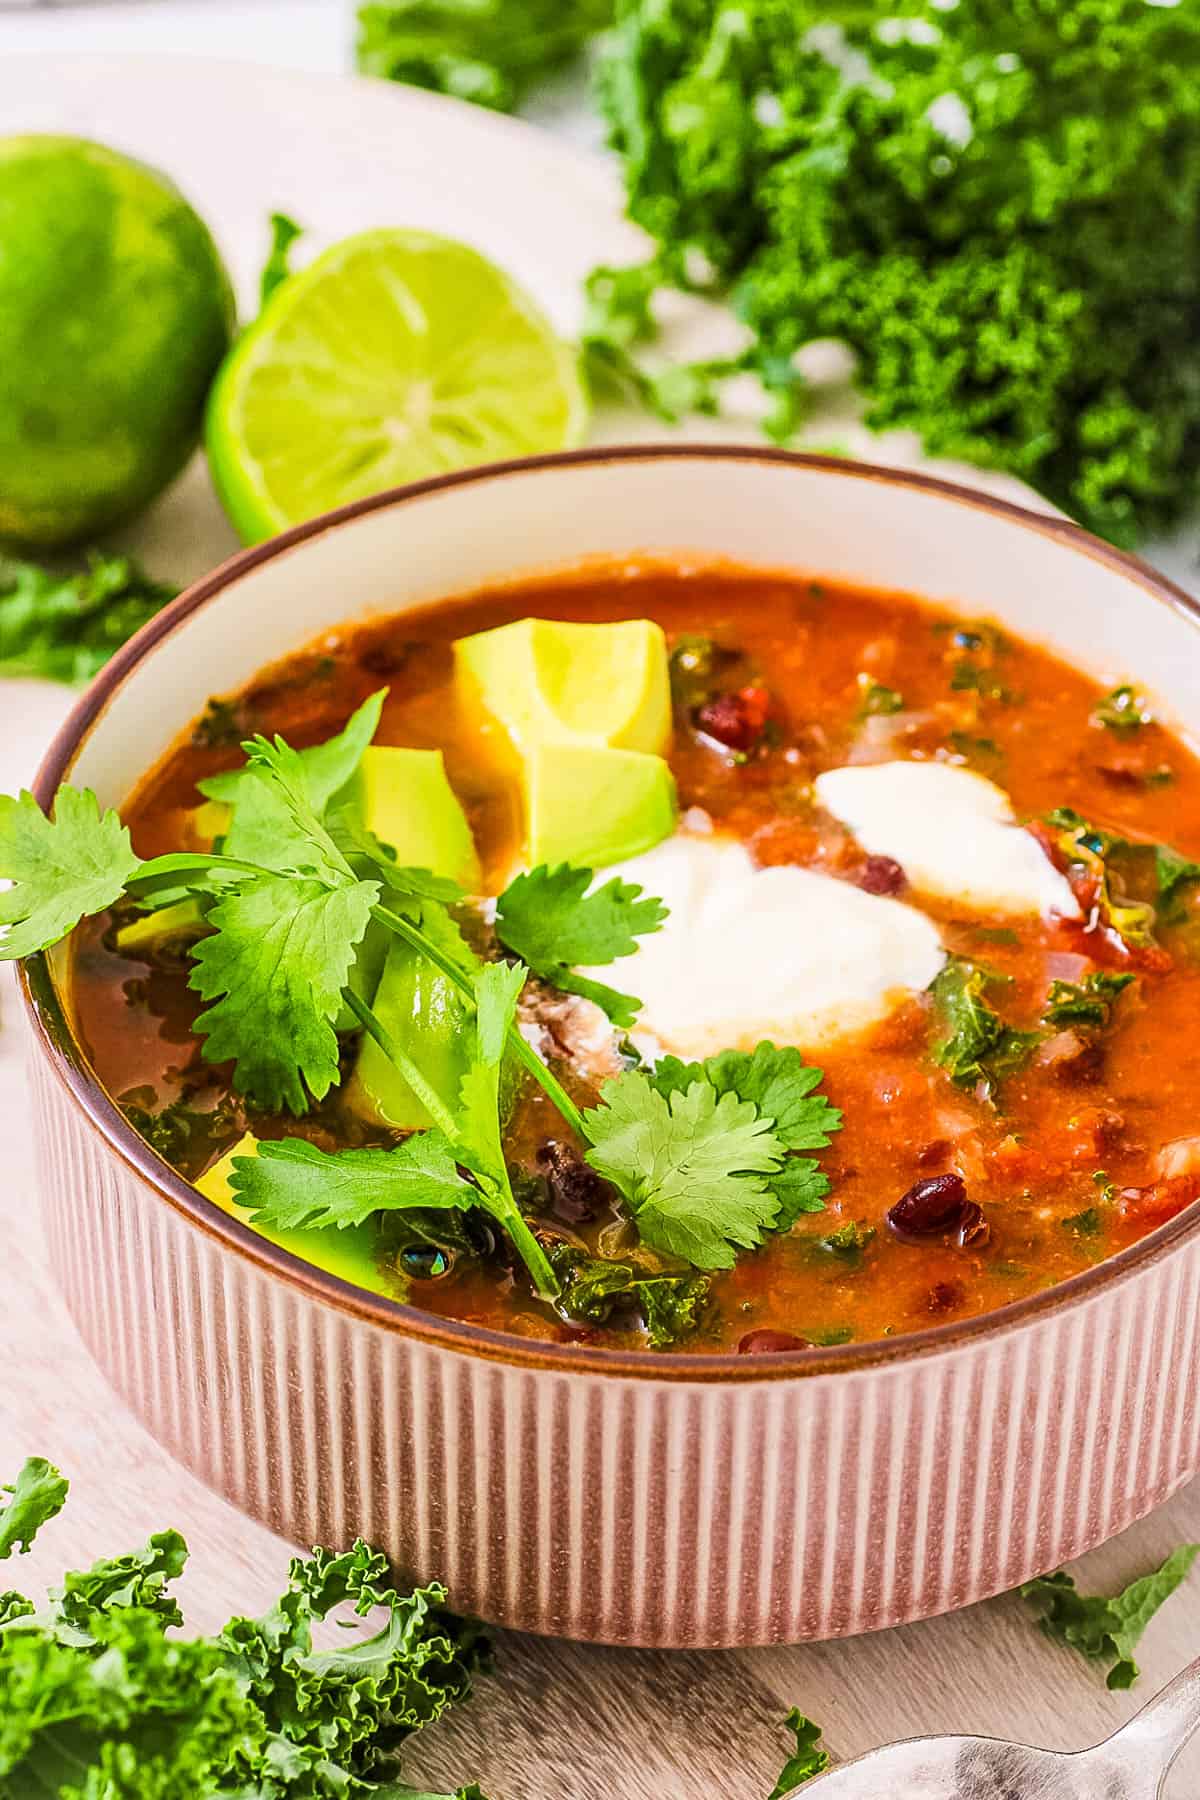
943,877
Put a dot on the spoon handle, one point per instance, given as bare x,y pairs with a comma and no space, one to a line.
1155,1736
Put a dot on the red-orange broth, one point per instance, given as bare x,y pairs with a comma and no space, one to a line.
1086,1149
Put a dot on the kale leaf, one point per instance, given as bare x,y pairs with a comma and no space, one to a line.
951,191
807,1760
96,1698
1103,1628
978,1049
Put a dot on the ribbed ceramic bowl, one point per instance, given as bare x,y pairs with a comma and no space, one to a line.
633,1498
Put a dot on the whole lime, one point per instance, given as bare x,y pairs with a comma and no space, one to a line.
115,310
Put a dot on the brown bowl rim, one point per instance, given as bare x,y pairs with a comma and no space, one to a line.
55,1039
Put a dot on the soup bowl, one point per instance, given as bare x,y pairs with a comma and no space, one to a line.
626,1497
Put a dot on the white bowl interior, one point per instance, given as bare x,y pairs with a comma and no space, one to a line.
822,521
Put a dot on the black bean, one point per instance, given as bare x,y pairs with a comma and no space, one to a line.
938,1207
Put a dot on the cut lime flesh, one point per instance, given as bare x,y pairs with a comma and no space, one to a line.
397,355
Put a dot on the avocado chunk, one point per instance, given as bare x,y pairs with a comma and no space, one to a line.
349,1254
549,681
422,1011
403,796
167,924
593,807
406,800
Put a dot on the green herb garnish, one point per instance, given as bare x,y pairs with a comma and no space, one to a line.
1086,1224
979,1050
550,920
848,1242
64,627
1107,1629
99,1700
877,701
1123,711
1086,1002
277,268
807,1760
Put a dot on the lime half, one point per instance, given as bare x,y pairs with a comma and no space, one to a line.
396,355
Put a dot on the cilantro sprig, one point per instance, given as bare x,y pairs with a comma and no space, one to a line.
701,1152
550,919
809,1758
705,1155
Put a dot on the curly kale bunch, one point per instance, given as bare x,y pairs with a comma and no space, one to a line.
994,203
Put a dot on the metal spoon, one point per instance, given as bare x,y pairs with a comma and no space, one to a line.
1132,1765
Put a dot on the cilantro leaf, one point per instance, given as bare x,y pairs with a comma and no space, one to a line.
497,987
1086,1002
979,1049
292,1185
778,1081
275,966
807,1760
549,919
264,828
62,868
35,1497
780,1084
64,627
692,1168
1104,1628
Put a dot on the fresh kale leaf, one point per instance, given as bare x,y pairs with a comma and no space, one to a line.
848,1242
804,162
549,919
1172,872
1123,711
808,1758
64,627
878,701
694,1169
672,1306
62,868
34,1498
978,1049
1089,848
96,1698
1086,1002
1104,1628
292,1185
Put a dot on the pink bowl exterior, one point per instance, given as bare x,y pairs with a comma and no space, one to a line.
637,1499
632,1511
